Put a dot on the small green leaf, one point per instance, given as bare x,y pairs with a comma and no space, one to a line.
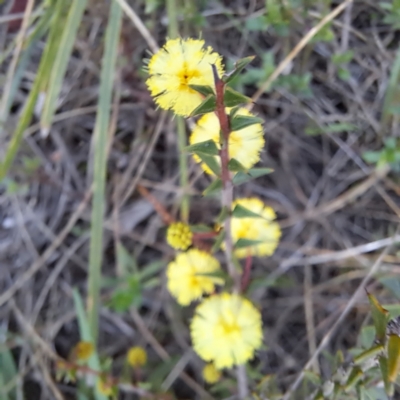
222,215
383,365
368,354
208,147
242,177
355,375
218,241
233,98
241,243
380,317
211,162
234,111
204,90
393,357
215,187
243,121
257,172
239,66
235,166
208,105
242,212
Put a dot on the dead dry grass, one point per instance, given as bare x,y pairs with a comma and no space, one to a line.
337,212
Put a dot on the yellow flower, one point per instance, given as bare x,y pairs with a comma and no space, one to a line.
179,236
187,279
137,356
180,63
226,330
82,351
245,144
211,374
263,229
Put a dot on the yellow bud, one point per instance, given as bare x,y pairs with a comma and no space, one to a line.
211,374
82,351
136,356
179,236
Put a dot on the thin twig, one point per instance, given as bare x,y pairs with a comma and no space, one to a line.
140,26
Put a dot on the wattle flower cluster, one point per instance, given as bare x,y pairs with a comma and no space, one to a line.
226,329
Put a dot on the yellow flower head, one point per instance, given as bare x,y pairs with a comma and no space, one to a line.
180,63
245,144
211,374
253,228
137,356
82,351
179,236
187,279
226,330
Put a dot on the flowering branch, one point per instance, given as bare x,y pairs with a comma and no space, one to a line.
227,187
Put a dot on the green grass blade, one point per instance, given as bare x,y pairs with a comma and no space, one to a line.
39,84
100,161
59,67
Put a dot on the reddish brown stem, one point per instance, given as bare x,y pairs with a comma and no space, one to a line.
227,187
246,273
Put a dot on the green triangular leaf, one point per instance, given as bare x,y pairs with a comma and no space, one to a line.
242,212
243,121
235,166
239,66
380,316
208,147
355,375
393,357
368,354
204,90
242,177
222,215
218,241
208,105
211,162
233,98
257,172
214,188
241,243
234,111
383,365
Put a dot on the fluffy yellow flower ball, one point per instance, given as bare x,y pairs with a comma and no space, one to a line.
180,63
226,330
211,374
82,351
263,229
245,144
137,356
179,236
187,275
